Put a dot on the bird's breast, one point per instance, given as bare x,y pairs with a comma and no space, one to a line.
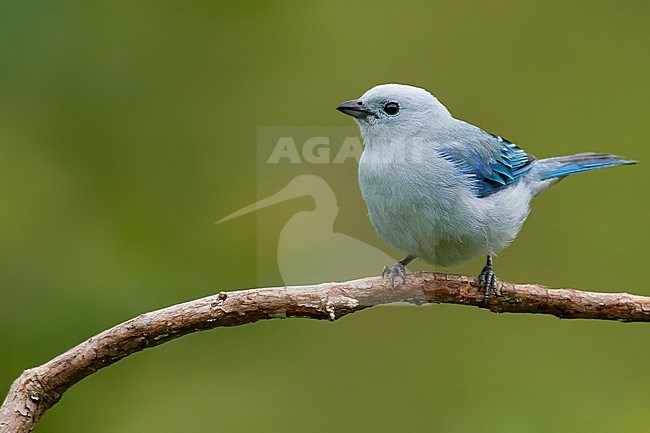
414,205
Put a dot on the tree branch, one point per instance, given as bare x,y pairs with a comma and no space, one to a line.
39,388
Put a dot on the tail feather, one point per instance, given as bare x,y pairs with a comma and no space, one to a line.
565,165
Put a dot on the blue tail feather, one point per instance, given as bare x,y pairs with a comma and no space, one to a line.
565,165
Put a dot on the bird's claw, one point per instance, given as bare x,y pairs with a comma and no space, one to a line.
397,270
487,282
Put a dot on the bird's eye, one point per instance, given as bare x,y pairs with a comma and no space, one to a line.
392,108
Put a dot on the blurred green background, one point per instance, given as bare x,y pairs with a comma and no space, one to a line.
128,128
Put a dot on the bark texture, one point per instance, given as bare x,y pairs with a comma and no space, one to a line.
39,388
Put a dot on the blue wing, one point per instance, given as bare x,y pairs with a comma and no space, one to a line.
491,163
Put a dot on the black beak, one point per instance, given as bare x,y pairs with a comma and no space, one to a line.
354,108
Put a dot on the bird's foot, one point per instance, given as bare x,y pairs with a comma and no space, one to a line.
397,270
487,281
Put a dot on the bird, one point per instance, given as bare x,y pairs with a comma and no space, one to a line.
443,190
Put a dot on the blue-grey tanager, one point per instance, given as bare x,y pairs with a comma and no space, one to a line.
442,190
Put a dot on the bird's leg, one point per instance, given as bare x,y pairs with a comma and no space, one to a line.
487,281
398,270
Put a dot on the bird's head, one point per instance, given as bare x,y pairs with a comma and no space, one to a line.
395,111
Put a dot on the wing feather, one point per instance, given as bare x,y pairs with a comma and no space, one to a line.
491,162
